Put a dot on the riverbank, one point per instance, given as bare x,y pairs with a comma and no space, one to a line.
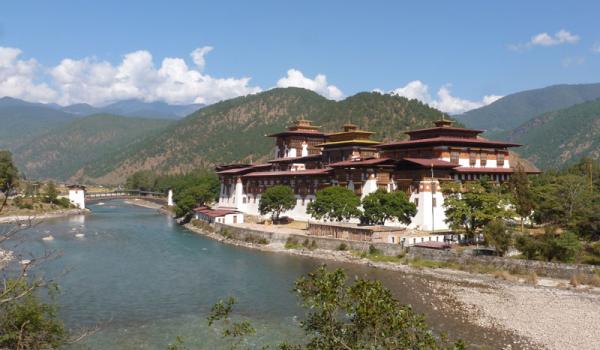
546,313
144,204
41,216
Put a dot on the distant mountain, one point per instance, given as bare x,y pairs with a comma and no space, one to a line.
81,109
160,110
21,121
515,109
561,137
234,130
61,153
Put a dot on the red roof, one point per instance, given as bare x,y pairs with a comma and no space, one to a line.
442,128
449,141
295,159
241,170
484,170
214,213
429,162
359,162
298,132
289,173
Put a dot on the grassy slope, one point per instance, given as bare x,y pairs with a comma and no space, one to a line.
515,109
61,152
561,137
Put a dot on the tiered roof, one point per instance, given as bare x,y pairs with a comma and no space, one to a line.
301,127
351,135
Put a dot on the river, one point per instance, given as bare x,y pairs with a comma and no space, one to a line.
147,280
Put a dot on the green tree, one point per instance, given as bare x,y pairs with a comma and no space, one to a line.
380,206
522,197
199,194
497,236
51,193
565,247
25,321
9,176
567,200
143,180
275,200
335,204
471,206
343,316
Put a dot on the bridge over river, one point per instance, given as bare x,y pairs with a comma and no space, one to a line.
80,197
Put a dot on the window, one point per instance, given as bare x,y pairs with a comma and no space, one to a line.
500,159
454,156
417,202
434,202
483,159
472,158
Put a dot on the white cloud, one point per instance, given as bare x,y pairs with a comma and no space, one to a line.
198,56
135,77
319,84
596,47
17,77
445,102
545,39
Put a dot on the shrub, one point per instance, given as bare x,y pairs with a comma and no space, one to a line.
292,243
313,245
373,250
342,247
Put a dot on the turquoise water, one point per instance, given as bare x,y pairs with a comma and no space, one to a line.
147,280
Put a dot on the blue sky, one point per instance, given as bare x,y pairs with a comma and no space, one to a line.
468,49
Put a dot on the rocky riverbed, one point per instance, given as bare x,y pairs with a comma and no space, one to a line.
545,314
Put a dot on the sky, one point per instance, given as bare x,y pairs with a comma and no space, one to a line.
453,55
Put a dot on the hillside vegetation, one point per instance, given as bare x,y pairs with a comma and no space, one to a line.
560,138
61,152
234,130
515,109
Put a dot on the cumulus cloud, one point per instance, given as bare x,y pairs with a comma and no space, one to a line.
136,77
17,77
444,100
545,39
319,84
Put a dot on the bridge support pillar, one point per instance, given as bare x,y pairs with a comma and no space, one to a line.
170,198
77,196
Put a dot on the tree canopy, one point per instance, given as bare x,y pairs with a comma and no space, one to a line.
276,200
380,206
9,175
471,206
334,204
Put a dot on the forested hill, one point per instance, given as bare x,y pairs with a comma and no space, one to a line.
515,109
62,152
560,138
234,130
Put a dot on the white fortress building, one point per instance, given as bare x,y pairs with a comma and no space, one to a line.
307,159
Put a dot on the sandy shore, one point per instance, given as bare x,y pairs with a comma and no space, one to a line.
144,204
547,315
36,217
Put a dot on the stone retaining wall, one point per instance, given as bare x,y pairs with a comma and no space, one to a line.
541,268
322,242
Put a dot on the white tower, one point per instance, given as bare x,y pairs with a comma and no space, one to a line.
170,198
77,196
430,211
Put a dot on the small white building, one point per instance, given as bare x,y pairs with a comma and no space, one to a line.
221,216
77,195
